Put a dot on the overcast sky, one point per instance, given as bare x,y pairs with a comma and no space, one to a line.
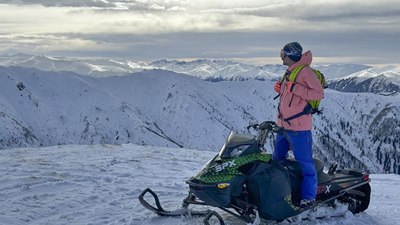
336,31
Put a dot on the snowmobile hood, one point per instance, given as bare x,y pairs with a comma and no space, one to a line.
225,169
238,150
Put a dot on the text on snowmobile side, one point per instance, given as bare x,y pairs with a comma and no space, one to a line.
219,168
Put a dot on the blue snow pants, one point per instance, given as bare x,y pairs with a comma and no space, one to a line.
300,142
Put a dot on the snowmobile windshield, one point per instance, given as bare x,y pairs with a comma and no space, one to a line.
237,145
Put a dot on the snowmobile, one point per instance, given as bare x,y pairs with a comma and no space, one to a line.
244,181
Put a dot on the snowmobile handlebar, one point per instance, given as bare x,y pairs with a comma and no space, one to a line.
266,126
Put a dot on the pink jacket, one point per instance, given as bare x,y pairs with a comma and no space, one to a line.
307,87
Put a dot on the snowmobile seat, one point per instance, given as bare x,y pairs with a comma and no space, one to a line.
295,169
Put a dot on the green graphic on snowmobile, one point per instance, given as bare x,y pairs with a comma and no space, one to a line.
223,170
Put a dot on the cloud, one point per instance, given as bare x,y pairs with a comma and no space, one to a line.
201,15
298,9
372,49
63,3
41,43
131,5
206,28
311,14
308,9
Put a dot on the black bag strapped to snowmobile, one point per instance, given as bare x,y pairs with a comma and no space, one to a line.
243,180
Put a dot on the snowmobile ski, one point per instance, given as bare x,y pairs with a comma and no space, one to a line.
158,209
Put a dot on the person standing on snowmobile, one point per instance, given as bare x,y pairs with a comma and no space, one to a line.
294,118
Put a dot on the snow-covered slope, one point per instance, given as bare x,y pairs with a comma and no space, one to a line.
151,107
168,109
358,130
99,184
381,80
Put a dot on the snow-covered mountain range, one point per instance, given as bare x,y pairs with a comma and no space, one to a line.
206,69
382,80
164,108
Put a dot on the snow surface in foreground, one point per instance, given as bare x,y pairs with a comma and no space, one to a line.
100,184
